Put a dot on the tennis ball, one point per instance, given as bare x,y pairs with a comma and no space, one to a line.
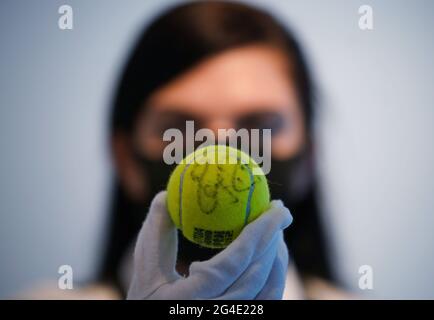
213,194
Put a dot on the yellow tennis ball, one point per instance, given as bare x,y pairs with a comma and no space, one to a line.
214,193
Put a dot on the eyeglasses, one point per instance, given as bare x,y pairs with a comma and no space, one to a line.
162,121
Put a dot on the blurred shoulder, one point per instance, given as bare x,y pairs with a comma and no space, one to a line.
50,291
312,288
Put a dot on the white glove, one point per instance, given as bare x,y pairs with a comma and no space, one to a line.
253,266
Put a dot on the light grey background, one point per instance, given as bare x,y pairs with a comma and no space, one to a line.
374,135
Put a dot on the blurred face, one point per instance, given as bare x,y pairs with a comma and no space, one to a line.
248,87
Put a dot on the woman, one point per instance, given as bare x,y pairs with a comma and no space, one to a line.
223,65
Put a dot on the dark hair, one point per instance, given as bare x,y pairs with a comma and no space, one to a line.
176,41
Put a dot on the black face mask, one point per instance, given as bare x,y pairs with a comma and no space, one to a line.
288,181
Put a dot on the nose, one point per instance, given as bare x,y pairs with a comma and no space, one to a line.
220,129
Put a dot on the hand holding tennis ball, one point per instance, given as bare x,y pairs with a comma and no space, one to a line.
213,194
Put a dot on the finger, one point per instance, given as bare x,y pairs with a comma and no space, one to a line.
251,282
216,275
247,286
155,251
275,284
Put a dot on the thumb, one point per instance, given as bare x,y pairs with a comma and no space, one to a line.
155,251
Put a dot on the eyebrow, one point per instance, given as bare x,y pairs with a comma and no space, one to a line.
180,114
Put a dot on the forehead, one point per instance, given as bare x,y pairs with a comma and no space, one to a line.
236,81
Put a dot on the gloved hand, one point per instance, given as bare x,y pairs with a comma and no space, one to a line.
253,266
